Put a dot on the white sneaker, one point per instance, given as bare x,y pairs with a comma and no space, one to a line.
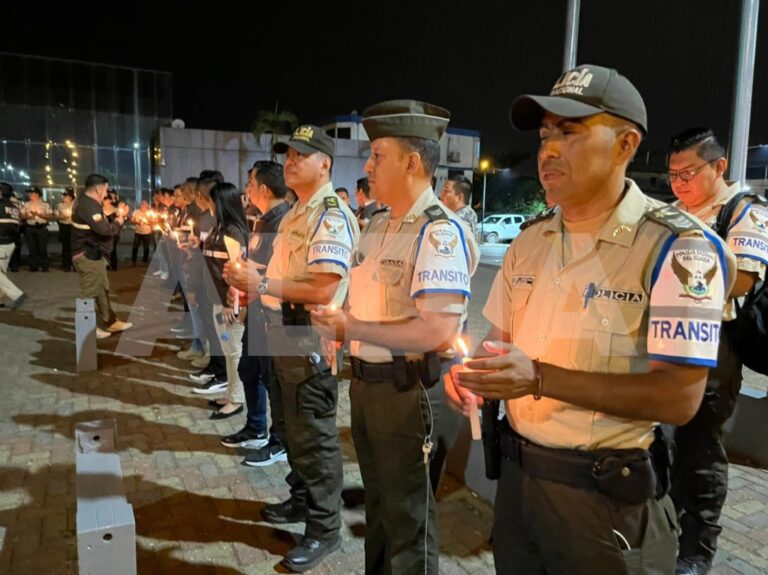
157,273
101,334
163,276
119,326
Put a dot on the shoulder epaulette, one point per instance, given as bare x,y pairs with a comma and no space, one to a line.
380,211
435,213
540,217
330,202
674,219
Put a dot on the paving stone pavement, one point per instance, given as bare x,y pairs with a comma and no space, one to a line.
196,507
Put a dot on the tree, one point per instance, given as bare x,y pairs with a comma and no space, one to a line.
275,123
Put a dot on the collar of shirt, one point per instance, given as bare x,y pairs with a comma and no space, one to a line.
275,212
426,199
621,226
324,191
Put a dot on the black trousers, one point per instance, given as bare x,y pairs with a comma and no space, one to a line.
113,255
543,527
304,398
65,236
700,468
143,240
390,428
37,244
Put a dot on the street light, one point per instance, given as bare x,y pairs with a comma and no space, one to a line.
484,164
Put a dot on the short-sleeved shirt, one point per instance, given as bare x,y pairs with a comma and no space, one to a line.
40,207
142,223
410,265
747,233
64,213
645,292
317,236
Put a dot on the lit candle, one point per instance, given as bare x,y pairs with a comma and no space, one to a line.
236,294
474,416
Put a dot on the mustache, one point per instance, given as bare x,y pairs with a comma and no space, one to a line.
550,165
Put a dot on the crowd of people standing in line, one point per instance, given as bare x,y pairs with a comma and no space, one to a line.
610,347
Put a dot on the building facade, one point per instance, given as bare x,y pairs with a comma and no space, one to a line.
62,119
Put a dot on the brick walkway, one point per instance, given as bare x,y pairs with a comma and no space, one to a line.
196,507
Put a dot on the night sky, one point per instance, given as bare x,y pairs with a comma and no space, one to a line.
236,58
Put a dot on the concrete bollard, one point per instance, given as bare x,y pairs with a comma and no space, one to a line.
95,436
85,335
106,527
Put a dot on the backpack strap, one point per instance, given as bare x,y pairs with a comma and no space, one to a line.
726,214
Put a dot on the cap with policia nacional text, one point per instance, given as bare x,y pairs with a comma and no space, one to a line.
306,139
583,91
405,119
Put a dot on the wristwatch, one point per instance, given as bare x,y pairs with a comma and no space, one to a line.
263,286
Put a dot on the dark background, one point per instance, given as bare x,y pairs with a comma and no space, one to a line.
235,58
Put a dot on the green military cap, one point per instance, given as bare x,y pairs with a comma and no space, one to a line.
405,119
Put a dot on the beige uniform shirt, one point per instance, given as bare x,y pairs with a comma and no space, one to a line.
64,213
643,293
142,224
412,264
314,239
40,207
747,233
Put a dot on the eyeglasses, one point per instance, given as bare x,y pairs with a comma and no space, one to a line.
686,175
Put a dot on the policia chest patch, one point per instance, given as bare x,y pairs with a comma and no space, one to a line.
332,239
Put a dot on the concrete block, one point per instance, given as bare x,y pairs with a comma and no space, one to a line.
95,436
85,335
106,527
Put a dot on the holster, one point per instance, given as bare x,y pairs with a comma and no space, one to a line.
409,373
295,314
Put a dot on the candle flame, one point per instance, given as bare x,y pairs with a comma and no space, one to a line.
462,346
190,222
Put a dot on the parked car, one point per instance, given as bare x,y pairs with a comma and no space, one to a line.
501,227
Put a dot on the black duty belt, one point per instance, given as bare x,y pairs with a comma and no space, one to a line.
37,225
373,372
380,372
624,474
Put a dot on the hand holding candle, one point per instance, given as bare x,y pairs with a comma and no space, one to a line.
474,416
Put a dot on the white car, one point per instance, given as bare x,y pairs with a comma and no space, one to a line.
501,227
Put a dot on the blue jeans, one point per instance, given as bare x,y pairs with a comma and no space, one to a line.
254,371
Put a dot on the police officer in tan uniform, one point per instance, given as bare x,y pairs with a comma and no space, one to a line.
697,167
608,310
309,267
409,289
